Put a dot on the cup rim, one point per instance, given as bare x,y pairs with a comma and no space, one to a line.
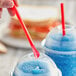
59,72
55,51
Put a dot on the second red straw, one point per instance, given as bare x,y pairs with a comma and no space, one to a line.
36,53
63,20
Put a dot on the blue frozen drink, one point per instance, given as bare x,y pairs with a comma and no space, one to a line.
62,49
36,67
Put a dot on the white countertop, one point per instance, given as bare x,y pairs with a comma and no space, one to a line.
9,60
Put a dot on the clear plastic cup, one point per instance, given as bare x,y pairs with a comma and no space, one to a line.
62,49
29,66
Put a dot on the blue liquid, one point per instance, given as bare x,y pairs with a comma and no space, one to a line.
66,63
32,68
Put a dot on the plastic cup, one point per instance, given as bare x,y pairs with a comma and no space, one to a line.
29,66
62,49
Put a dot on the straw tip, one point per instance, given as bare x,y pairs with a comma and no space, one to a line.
62,3
38,55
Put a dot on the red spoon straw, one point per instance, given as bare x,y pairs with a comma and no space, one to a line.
63,21
36,53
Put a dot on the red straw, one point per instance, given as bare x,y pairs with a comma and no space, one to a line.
36,53
63,21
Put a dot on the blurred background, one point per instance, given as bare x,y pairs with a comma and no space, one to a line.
40,17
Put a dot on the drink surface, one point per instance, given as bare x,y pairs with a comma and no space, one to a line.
29,66
56,41
32,68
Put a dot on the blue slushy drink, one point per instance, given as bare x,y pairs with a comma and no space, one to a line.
62,49
36,67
